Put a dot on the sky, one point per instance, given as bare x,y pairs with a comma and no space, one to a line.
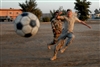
47,5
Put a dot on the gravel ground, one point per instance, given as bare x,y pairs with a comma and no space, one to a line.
17,51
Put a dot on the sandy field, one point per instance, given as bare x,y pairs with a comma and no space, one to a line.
17,51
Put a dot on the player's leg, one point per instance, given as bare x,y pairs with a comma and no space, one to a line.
56,49
58,46
69,41
54,41
62,43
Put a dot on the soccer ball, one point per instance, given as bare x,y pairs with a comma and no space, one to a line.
26,24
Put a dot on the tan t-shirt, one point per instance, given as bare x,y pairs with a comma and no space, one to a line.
69,23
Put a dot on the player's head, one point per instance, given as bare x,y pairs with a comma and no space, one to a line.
69,12
58,12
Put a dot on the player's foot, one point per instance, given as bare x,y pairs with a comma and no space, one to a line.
63,50
48,46
53,58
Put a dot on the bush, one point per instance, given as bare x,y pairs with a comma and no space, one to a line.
46,19
97,17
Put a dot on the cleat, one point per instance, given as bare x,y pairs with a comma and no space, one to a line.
62,50
53,58
49,47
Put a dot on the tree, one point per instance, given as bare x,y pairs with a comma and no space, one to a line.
52,12
99,10
46,19
82,7
96,11
60,9
31,6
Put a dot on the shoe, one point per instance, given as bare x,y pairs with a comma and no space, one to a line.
62,50
49,47
53,58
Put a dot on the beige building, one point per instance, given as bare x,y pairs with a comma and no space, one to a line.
13,13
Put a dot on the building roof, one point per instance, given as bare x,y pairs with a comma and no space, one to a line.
11,9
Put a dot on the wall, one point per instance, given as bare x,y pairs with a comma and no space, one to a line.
13,13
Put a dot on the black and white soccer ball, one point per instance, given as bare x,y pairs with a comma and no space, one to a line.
26,24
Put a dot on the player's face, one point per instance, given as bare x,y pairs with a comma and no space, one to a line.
69,13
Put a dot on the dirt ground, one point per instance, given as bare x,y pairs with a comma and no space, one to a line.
17,51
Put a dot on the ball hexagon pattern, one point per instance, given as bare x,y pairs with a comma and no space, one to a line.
26,24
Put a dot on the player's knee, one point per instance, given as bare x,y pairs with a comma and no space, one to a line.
71,36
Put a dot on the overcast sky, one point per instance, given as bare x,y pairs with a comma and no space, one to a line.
47,5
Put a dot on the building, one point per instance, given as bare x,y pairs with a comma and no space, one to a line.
12,13
97,15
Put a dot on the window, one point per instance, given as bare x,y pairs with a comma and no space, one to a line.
17,13
10,12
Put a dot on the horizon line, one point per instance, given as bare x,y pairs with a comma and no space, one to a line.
46,1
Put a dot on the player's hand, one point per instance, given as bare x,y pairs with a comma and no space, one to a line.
89,27
58,17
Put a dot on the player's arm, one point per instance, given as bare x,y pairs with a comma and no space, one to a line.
60,17
85,24
53,27
52,24
82,22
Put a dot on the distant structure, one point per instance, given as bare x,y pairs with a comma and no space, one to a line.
13,13
46,15
97,13
9,13
94,16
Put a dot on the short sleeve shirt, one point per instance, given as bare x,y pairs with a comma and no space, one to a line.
69,23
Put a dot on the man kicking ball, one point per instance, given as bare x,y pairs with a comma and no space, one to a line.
67,32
